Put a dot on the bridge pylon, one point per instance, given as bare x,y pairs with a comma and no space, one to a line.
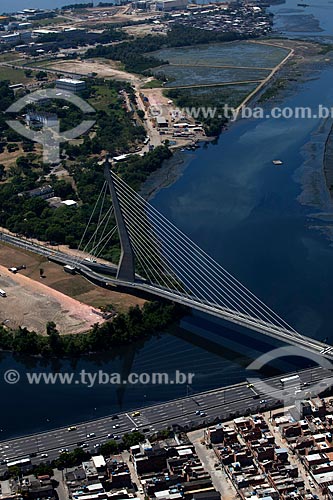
126,266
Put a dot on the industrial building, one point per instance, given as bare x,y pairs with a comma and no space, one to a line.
70,85
169,5
15,37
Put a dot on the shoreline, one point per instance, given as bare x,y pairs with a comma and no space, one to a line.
328,162
298,60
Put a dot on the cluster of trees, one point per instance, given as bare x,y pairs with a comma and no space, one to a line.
112,447
138,168
123,330
131,53
72,6
185,99
82,38
115,129
33,217
6,99
114,132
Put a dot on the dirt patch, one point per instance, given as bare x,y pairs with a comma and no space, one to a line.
37,300
143,30
102,69
32,304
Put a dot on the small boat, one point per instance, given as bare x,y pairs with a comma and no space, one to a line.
303,5
277,162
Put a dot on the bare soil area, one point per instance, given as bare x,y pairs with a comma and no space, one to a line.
65,299
101,68
32,304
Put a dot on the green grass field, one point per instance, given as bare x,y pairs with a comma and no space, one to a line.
9,56
104,97
13,75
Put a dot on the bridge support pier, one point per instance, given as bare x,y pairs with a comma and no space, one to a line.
126,266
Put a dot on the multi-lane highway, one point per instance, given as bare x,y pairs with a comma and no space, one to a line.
192,411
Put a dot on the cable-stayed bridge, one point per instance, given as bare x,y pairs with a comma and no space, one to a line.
160,260
157,258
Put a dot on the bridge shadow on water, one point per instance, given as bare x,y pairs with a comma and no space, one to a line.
236,344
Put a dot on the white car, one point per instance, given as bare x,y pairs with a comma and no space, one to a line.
91,435
44,455
116,426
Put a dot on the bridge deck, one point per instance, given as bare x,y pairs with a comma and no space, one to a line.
103,278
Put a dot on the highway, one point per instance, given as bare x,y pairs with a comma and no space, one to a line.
214,406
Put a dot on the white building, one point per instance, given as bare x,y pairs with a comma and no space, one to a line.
70,85
168,5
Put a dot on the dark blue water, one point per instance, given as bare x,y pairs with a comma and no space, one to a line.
260,221
313,21
16,5
244,211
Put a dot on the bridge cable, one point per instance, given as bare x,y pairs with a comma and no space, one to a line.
165,229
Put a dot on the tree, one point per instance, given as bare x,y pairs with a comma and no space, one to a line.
141,114
41,75
2,172
109,448
28,73
132,439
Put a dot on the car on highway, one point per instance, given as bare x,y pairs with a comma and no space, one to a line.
63,450
71,428
134,429
249,386
198,412
84,445
44,455
263,401
116,426
114,417
91,435
33,454
110,436
116,437
136,414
